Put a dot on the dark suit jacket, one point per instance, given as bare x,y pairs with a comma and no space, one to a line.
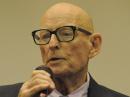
95,90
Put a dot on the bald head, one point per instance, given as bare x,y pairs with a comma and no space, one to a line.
63,14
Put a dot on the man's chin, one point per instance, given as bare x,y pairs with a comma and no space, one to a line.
57,71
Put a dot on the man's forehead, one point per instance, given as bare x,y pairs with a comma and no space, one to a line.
64,13
63,8
59,21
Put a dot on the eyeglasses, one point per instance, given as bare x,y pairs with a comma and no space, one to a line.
63,34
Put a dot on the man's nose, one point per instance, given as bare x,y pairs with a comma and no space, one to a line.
54,43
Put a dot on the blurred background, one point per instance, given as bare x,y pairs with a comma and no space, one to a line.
19,55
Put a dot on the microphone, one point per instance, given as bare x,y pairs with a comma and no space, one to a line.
47,69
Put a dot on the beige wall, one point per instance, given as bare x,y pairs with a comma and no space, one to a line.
19,55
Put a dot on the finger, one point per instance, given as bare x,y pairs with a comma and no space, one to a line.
42,95
38,88
35,72
43,77
37,82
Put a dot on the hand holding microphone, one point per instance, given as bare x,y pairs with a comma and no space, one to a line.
46,91
40,84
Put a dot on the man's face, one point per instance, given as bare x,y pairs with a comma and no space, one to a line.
65,57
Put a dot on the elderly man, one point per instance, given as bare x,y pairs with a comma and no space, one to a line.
67,42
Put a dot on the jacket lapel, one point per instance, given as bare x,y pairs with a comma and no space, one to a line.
94,89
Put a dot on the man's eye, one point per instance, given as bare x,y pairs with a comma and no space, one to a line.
37,37
66,33
45,36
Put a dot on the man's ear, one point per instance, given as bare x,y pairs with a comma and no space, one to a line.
95,40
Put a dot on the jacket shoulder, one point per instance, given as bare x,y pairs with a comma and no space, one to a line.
10,90
110,92
97,90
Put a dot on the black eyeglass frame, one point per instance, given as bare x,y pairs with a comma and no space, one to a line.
74,28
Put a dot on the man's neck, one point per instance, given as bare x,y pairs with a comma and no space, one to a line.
68,84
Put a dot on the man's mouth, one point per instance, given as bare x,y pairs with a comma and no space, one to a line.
55,59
